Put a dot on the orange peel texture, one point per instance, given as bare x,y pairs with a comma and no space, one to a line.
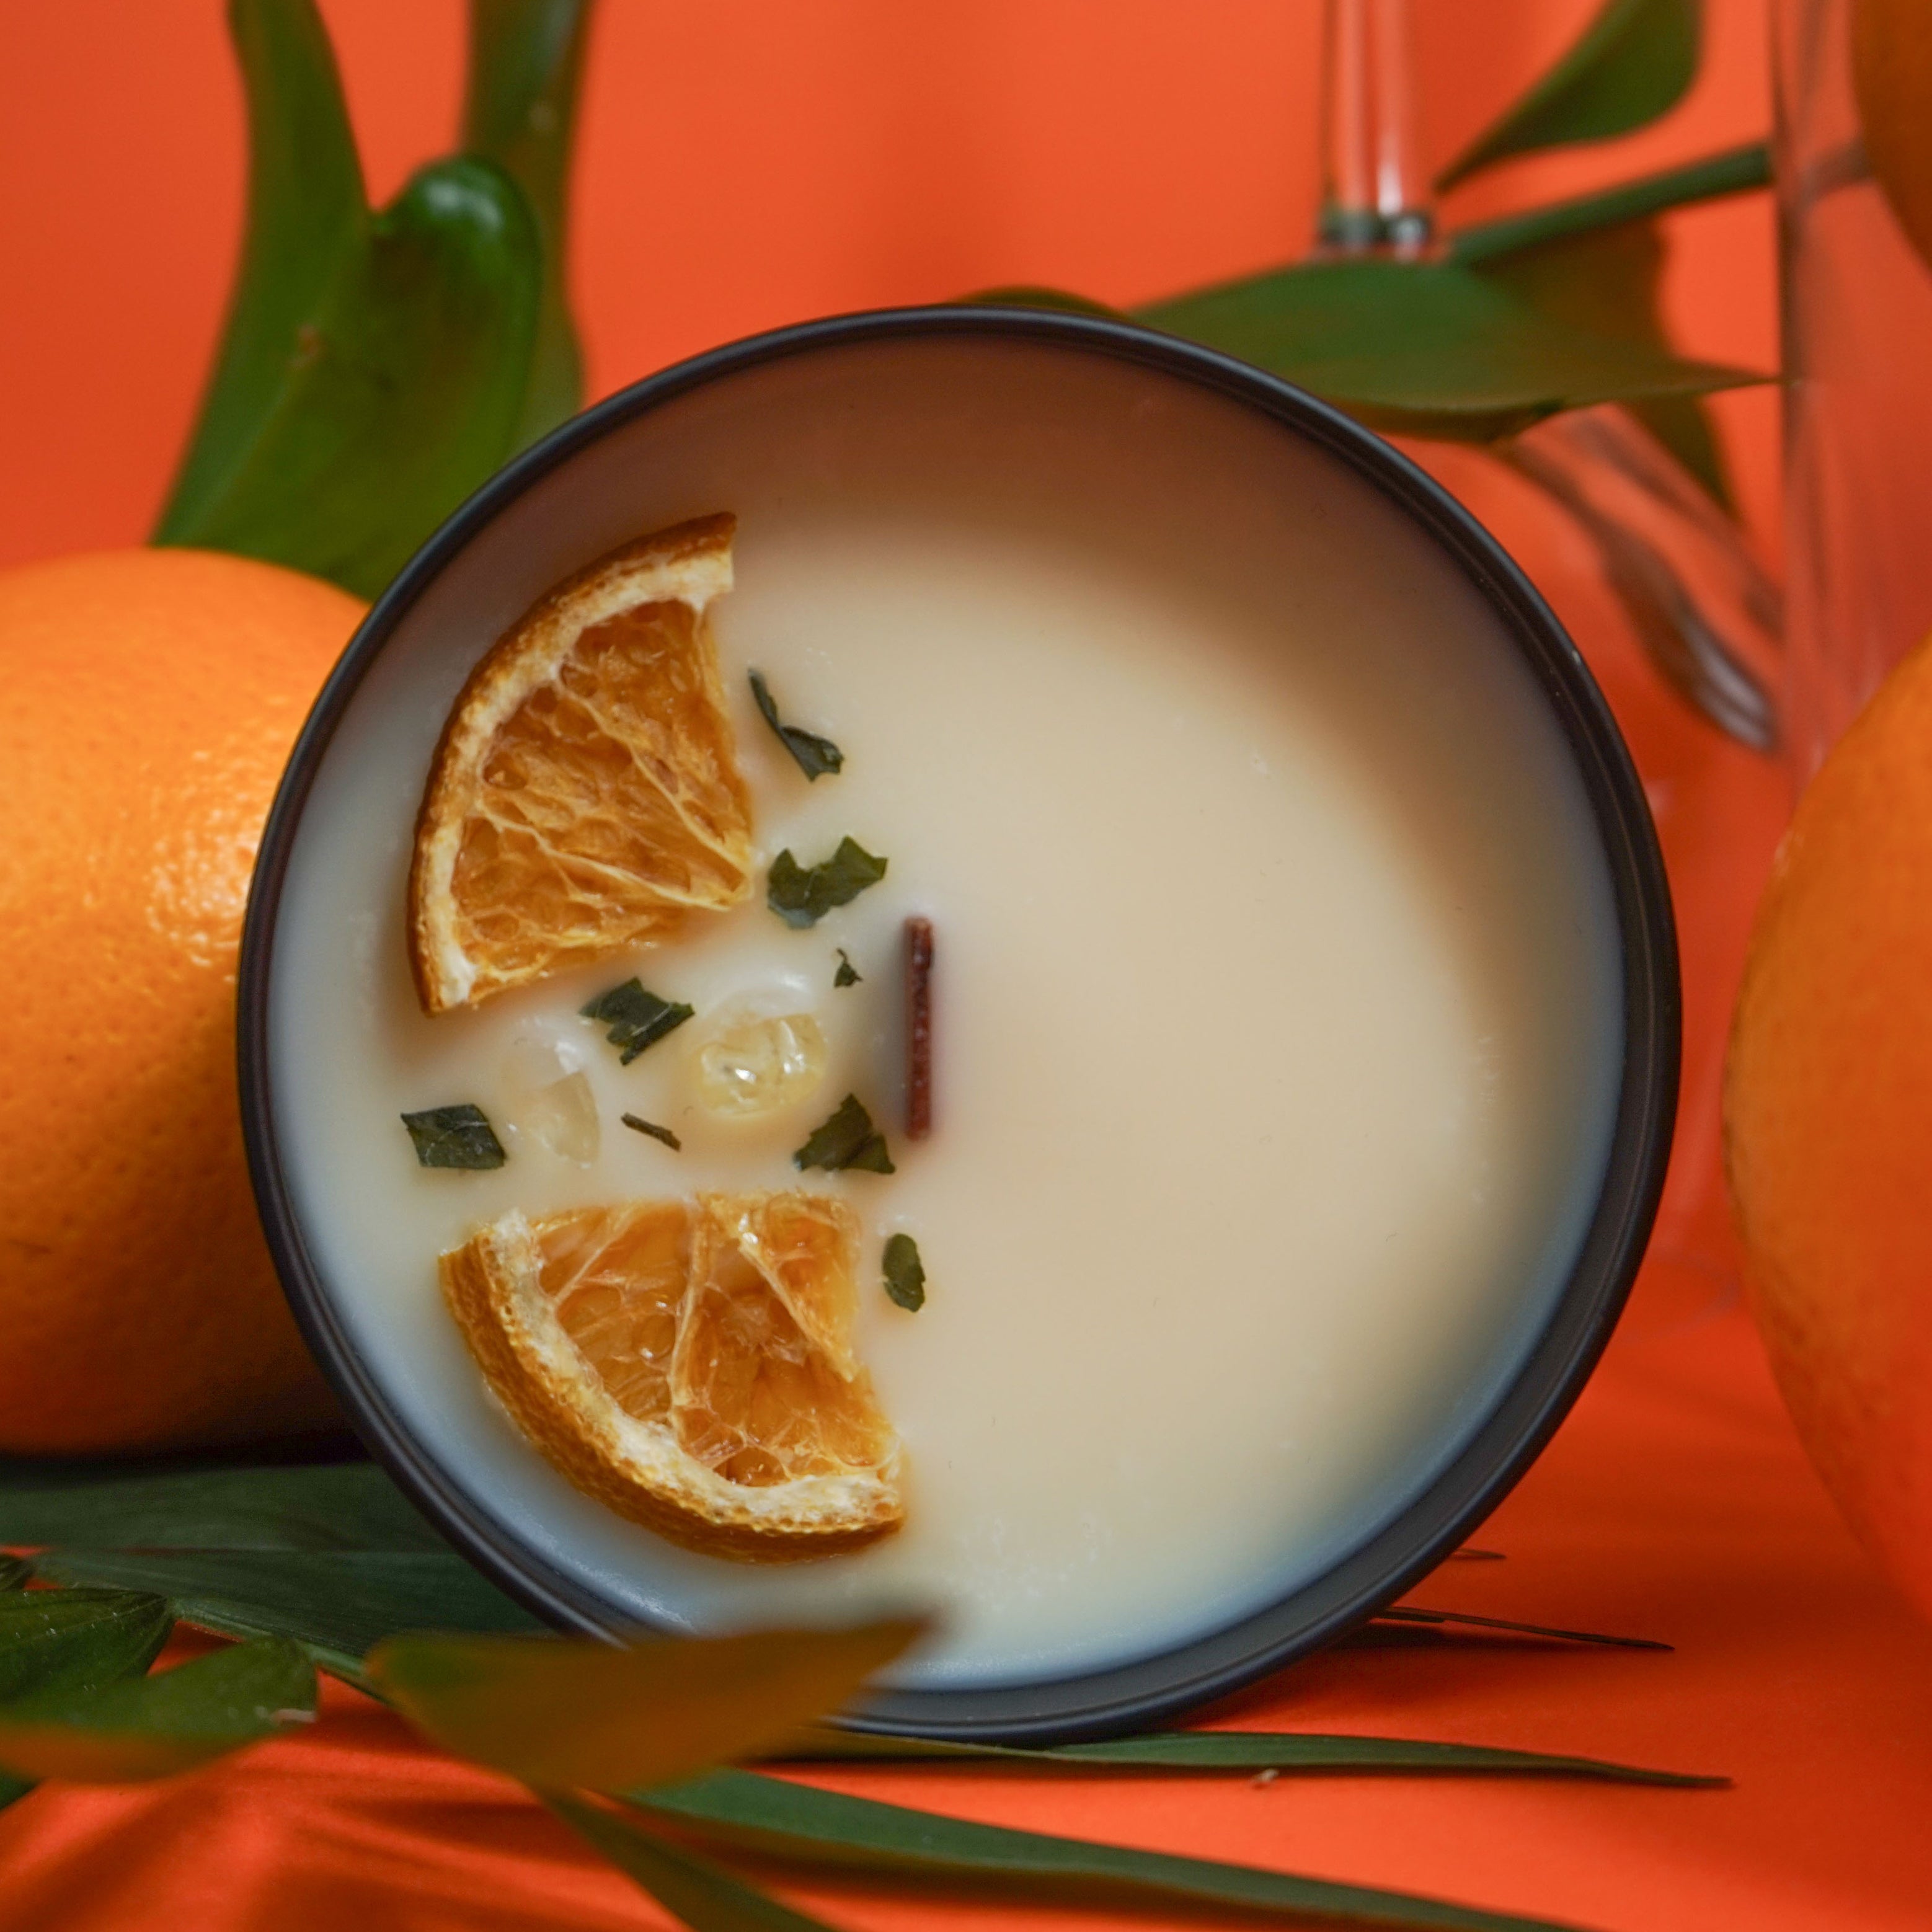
689,1364
585,798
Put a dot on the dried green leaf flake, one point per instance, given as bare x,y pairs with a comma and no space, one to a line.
815,756
639,1125
848,1140
848,974
801,895
458,1136
636,1018
905,1272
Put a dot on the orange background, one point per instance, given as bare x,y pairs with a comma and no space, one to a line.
747,163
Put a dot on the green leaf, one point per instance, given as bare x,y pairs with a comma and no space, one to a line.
848,1140
773,1816
53,1642
1608,280
520,111
801,895
846,974
1683,425
1635,62
316,1506
337,1604
905,1272
1735,171
457,1136
149,1727
1430,349
636,1018
557,1712
814,756
306,218
690,1888
403,392
1244,1751
374,370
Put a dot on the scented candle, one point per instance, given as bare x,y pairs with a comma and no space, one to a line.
1280,1012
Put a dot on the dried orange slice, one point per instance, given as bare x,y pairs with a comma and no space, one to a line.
690,1365
585,797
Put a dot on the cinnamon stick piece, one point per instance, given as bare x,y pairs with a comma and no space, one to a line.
919,1028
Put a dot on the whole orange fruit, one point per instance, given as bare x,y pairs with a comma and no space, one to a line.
1828,1124
151,697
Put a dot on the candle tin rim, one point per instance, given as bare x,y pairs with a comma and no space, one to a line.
1154,1689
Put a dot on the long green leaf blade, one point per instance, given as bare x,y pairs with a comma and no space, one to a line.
407,391
306,216
338,1605
1430,348
57,1641
1735,171
150,1727
773,1815
314,1506
704,1897
1242,1751
520,111
558,1713
1634,62
1416,1613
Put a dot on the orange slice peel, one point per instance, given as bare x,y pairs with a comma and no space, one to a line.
585,798
689,1364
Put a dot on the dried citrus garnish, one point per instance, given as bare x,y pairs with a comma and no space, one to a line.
689,1364
585,797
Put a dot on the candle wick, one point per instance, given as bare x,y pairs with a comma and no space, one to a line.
919,1028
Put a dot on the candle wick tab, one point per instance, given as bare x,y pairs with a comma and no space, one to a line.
919,1028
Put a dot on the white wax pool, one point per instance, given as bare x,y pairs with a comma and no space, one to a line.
1277,990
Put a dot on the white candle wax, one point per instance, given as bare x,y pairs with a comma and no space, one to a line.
1277,995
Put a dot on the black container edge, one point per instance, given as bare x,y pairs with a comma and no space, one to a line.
1140,1695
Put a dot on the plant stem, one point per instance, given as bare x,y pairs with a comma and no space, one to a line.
1736,171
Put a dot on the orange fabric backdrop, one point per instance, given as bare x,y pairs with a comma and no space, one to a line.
751,162
747,163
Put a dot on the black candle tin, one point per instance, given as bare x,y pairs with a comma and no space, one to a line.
1152,1691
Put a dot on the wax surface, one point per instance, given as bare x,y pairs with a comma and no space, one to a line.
1276,996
